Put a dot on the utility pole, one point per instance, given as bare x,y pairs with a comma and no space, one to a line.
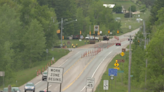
61,31
130,12
129,84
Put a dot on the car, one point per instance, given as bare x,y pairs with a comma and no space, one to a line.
29,87
13,89
118,44
44,75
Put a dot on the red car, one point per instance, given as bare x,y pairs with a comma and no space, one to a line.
118,44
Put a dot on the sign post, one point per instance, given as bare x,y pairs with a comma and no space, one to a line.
105,85
90,83
55,75
112,72
2,73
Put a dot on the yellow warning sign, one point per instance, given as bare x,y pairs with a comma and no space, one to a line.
116,64
122,53
117,68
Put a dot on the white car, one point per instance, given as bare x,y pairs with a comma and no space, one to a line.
92,37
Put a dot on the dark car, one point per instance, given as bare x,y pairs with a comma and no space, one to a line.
29,87
44,75
13,89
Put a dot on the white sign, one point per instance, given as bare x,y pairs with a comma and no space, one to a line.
52,58
2,73
110,32
105,86
55,74
100,32
90,82
96,28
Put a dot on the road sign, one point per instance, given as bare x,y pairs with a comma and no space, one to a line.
100,32
2,73
131,75
122,53
105,86
90,82
110,32
119,71
116,64
96,27
55,74
121,60
112,72
117,68
123,49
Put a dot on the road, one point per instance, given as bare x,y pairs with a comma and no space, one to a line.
78,68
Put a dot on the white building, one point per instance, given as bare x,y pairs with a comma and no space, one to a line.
109,5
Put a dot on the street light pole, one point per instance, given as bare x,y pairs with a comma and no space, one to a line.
61,30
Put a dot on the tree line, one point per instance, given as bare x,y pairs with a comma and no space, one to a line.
154,72
28,28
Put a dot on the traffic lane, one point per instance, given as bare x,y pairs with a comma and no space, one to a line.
77,86
38,80
72,73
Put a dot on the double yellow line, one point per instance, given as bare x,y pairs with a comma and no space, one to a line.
79,74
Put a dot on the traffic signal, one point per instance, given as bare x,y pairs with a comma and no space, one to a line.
98,33
117,31
138,40
118,44
90,32
108,31
63,37
58,31
80,32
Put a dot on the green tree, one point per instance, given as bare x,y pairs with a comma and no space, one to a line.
133,8
34,43
117,9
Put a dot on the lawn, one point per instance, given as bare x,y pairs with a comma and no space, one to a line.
26,75
119,84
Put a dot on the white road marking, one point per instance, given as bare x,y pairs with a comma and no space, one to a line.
48,87
37,83
100,64
97,68
66,61
83,88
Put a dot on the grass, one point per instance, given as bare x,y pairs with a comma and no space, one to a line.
26,75
119,84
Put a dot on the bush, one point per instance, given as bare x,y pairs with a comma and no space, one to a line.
117,9
127,15
133,8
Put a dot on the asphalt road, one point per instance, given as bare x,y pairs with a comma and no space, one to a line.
77,68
